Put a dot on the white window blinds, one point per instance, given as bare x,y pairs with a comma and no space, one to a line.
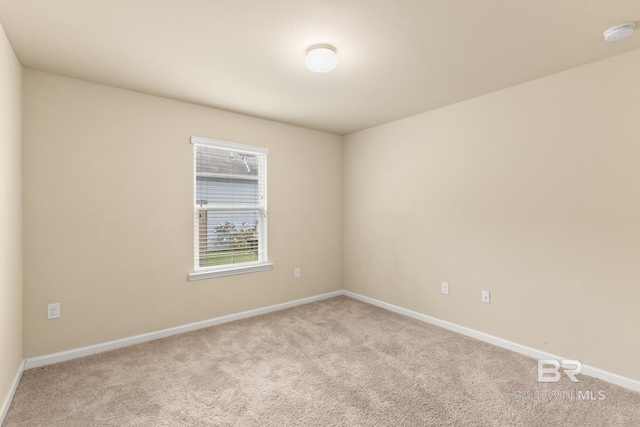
230,200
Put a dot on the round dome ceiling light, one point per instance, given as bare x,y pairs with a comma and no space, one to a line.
321,58
618,32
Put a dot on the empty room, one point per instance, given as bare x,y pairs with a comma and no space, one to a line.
319,213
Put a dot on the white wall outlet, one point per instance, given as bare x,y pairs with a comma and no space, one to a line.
53,311
486,297
445,288
296,272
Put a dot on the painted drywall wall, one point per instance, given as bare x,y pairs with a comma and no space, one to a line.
530,193
108,213
10,217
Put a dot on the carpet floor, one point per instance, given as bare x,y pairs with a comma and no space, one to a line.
336,362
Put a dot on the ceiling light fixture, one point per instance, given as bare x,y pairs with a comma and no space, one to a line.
321,58
618,32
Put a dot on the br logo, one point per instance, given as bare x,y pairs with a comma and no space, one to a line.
549,370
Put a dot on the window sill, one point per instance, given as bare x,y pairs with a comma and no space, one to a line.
230,271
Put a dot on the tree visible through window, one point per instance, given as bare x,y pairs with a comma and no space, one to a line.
230,204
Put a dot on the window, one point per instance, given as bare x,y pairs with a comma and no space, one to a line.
230,207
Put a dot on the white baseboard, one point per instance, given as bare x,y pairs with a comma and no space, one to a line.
48,359
16,380
591,371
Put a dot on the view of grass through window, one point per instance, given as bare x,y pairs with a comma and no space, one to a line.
231,244
214,258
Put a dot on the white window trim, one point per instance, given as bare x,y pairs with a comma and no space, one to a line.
230,269
231,146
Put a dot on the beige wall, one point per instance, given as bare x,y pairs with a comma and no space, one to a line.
532,193
108,217
10,217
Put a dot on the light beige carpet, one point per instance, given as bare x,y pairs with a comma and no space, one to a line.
337,362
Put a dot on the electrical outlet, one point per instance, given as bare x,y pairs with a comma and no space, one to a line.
486,297
296,272
53,311
445,288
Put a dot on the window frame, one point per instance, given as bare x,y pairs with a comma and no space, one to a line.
262,264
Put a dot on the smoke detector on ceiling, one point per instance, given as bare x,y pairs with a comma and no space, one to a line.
618,32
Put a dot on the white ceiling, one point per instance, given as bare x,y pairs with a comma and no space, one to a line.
396,57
